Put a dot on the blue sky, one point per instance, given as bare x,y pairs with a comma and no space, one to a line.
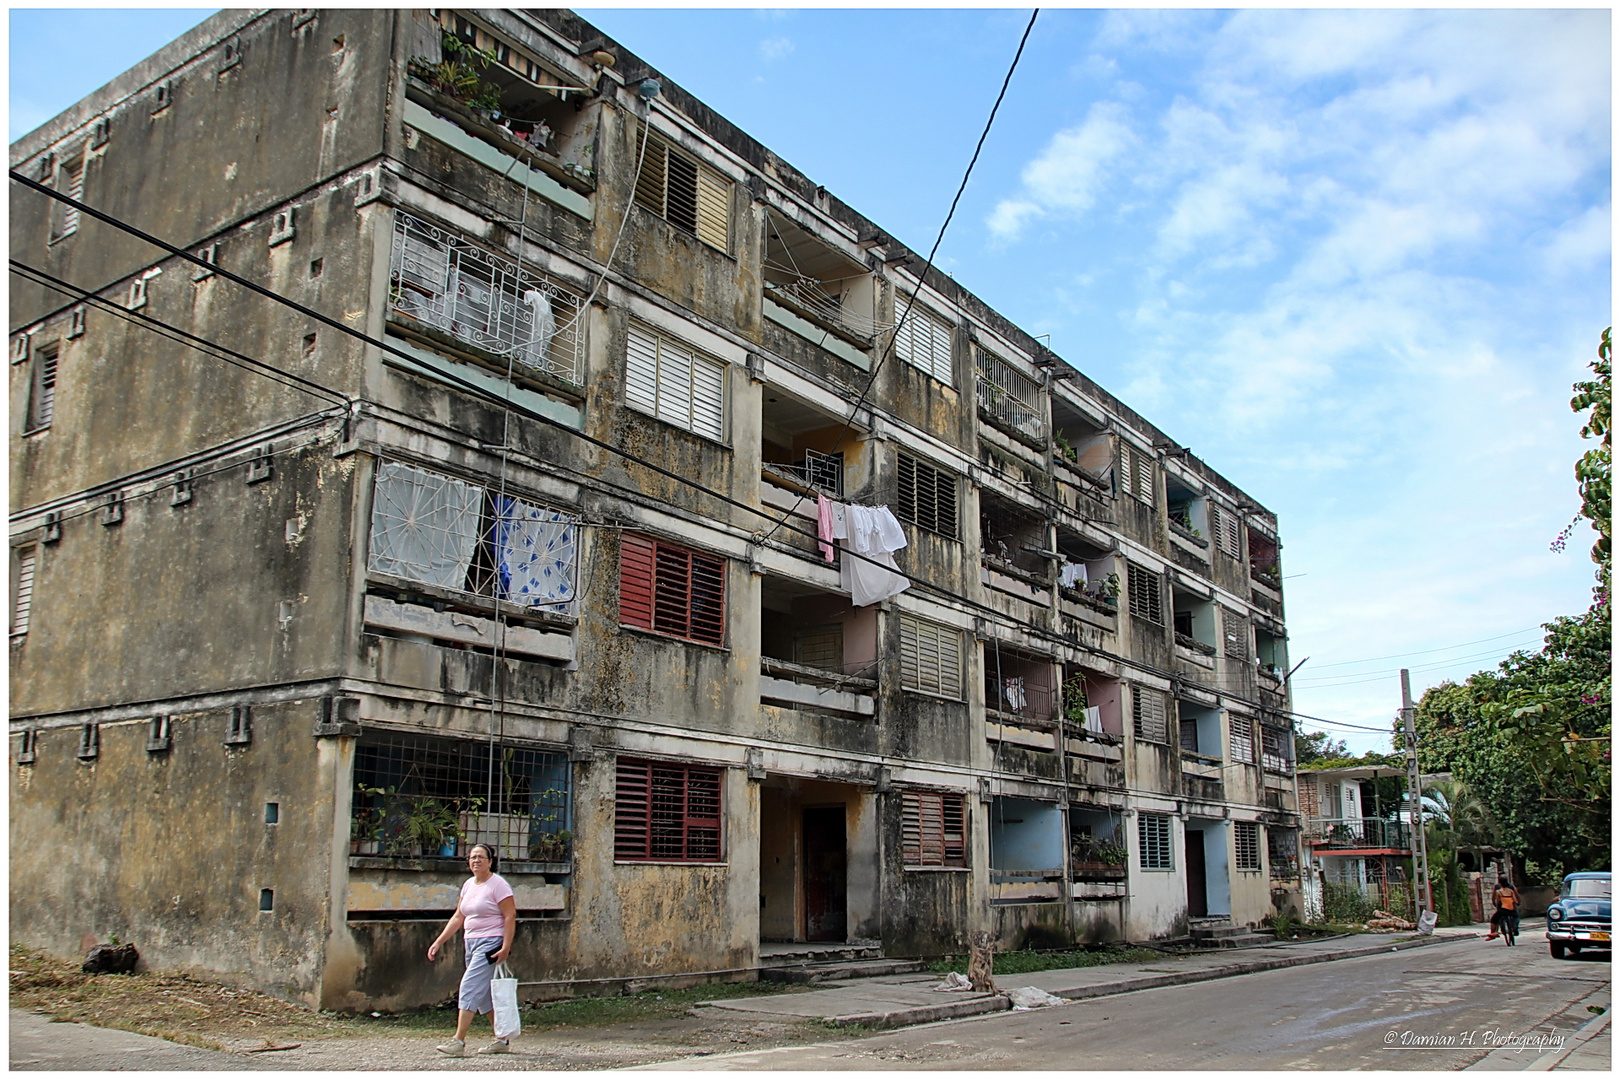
1354,260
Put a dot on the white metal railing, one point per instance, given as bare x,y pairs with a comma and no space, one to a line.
440,280
1010,396
822,472
808,296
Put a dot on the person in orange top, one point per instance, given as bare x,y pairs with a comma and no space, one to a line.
1506,899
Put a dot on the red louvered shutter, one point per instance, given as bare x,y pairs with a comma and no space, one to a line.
667,812
632,817
636,581
672,591
708,599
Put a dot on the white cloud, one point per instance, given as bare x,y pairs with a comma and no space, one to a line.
1070,171
775,48
1581,245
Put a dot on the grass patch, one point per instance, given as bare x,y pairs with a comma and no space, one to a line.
1024,962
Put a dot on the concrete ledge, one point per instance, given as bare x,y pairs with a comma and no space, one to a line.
926,1014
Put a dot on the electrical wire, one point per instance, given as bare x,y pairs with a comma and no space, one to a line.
1360,680
1425,652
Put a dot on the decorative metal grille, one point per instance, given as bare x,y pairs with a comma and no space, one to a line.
442,531
1010,396
419,796
444,282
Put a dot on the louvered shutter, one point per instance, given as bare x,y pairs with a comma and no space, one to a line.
1147,713
1153,841
708,398
1144,478
641,371
25,593
707,605
933,830
674,384
632,811
672,590
636,581
42,403
1144,593
713,209
930,658
1242,738
1237,635
667,812
924,342
650,182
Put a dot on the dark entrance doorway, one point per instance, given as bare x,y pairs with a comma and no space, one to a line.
825,875
1197,887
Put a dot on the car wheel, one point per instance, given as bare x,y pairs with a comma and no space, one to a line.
1557,949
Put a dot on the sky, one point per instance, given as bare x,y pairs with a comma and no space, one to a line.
1352,259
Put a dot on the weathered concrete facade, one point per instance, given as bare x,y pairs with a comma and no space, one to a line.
507,566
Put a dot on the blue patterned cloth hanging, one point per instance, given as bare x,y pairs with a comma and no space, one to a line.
534,553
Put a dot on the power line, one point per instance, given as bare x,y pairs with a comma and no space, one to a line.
1425,652
1361,678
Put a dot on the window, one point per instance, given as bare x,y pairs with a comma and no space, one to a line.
1274,752
674,382
1225,525
1246,842
42,390
924,341
484,300
1282,851
933,830
1236,629
23,596
1242,738
1147,713
930,658
666,812
420,795
685,192
1153,841
1144,587
441,531
927,497
1136,473
1010,396
70,182
672,590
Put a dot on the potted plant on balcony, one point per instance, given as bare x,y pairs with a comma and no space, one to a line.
366,822
552,847
427,827
1101,859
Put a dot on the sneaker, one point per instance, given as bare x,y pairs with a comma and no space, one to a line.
499,1046
453,1048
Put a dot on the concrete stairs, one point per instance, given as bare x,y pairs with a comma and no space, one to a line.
821,962
1219,933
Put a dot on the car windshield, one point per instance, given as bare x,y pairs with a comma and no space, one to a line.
1587,887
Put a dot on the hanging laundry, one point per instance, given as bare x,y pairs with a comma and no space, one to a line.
824,525
542,327
1094,719
875,534
534,553
1012,693
1073,575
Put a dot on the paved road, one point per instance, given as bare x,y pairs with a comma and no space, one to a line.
1380,1012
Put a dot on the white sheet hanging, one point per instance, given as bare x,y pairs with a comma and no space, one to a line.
873,533
423,525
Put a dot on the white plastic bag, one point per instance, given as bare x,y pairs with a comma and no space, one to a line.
503,988
1427,922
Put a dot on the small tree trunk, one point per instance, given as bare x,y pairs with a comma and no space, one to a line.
981,963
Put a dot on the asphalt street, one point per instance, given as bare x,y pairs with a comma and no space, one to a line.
1441,1008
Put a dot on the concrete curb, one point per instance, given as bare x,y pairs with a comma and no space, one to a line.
926,1014
1126,986
1579,1038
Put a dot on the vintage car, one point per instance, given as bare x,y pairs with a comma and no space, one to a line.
1579,919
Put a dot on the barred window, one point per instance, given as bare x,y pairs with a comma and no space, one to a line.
684,192
1147,713
1153,840
930,657
674,382
438,530
672,590
666,812
927,497
1274,752
933,829
1237,634
1144,589
924,341
1246,842
1010,396
422,796
1242,738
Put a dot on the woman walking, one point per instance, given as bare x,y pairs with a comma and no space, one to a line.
488,913
1505,919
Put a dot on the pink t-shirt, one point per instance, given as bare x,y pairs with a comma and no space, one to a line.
481,907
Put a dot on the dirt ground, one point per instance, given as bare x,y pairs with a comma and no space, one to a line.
597,1033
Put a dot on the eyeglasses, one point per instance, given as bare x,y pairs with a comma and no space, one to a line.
475,858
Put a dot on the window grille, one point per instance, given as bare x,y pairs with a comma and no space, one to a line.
485,300
675,383
672,590
930,658
666,812
1147,714
1189,735
423,795
1153,840
1236,630
824,472
24,596
42,393
1242,738
933,829
1010,396
1274,748
685,192
1246,844
927,497
441,531
1145,598
1282,851
820,647
924,341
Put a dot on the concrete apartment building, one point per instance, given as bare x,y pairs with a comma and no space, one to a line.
286,641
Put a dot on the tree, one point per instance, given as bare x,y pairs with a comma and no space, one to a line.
1313,746
1594,469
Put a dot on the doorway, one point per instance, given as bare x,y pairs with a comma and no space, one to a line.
826,874
1197,883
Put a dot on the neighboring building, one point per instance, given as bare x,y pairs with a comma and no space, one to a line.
1352,838
279,652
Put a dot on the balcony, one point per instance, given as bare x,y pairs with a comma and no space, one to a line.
800,686
1010,400
816,654
1358,834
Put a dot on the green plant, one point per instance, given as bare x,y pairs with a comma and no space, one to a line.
457,74
425,827
1345,904
1283,924
1074,698
551,847
1110,585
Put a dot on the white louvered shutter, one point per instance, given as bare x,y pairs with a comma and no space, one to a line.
641,371
25,593
708,398
674,384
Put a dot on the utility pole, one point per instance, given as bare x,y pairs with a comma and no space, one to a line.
1422,899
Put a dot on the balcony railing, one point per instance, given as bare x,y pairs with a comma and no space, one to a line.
1358,833
484,300
1010,397
823,473
806,297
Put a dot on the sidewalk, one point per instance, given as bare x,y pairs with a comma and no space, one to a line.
895,1001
